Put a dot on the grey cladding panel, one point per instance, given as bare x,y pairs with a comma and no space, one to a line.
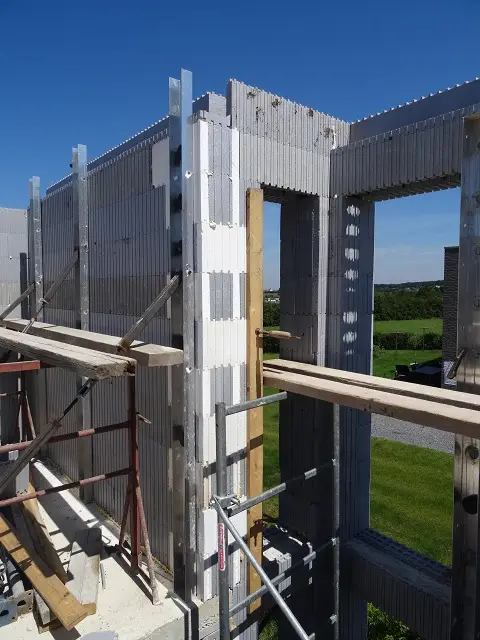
420,157
221,386
449,100
283,144
220,181
221,296
403,583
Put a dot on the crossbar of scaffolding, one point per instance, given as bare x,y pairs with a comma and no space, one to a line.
275,491
225,506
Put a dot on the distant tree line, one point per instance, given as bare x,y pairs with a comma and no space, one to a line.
408,303
408,286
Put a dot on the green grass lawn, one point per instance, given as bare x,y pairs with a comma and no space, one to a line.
412,497
432,325
411,487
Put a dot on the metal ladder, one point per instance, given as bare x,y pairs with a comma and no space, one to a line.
227,505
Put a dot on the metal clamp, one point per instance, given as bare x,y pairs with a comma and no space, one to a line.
456,364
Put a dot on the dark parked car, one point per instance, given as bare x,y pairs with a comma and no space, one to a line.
428,373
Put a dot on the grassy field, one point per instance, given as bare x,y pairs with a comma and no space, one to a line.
411,487
432,325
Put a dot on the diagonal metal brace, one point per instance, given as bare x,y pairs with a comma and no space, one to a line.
18,301
53,426
131,335
47,298
456,364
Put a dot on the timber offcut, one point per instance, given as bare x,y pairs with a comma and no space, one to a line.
148,355
84,362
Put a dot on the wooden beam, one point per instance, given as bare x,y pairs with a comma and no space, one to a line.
85,362
41,538
57,597
84,567
148,355
433,394
44,615
422,412
254,300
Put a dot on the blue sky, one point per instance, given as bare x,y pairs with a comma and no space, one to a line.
96,72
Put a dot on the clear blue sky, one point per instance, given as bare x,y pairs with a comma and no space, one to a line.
96,72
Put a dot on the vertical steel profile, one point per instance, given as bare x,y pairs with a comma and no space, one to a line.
82,303
188,291
36,255
182,327
465,599
222,532
36,385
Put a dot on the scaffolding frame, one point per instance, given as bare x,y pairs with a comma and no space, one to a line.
133,504
227,505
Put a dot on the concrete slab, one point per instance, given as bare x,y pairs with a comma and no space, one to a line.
124,604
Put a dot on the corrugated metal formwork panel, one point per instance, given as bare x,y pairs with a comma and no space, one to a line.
13,255
406,585
283,144
58,228
408,160
459,97
349,335
13,279
58,244
129,266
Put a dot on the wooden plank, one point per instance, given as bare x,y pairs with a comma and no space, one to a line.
254,376
85,362
57,597
422,412
433,394
84,567
41,538
148,355
44,615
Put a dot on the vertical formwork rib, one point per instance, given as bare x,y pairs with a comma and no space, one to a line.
182,309
465,614
82,304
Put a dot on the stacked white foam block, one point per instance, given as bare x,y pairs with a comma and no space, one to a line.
219,248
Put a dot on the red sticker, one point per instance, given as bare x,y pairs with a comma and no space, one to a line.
221,546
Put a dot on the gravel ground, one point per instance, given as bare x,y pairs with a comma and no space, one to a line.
392,429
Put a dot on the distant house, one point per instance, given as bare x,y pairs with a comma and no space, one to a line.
450,294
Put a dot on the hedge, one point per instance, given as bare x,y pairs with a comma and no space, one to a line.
390,341
411,341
